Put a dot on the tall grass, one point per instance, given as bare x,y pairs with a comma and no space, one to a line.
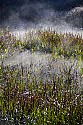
46,41
27,98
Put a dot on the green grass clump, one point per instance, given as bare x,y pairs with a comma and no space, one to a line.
63,44
6,41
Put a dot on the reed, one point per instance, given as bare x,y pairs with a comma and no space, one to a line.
26,98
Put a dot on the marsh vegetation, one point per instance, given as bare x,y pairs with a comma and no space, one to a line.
46,87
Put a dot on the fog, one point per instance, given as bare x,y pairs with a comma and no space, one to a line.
59,15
